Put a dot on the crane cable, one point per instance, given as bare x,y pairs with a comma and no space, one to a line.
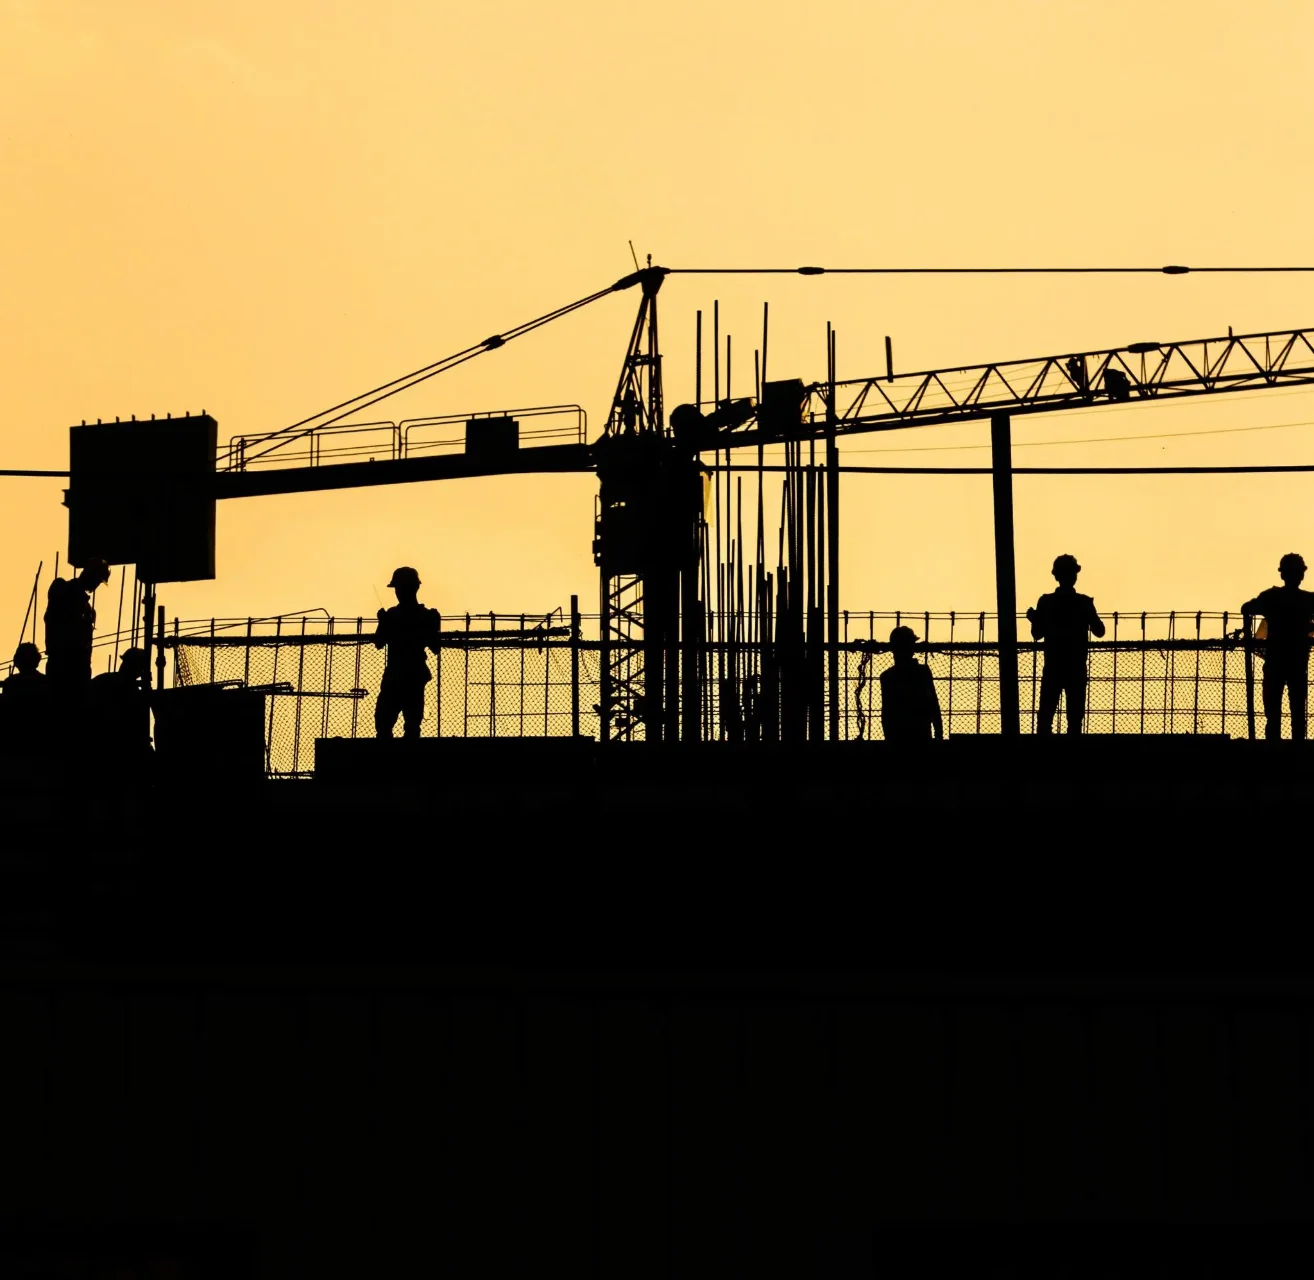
365,399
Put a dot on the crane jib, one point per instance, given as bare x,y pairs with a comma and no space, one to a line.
1140,371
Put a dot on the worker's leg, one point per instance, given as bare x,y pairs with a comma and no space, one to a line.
387,707
1274,680
1297,692
1051,685
412,709
1074,687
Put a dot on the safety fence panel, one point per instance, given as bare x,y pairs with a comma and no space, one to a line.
498,675
492,676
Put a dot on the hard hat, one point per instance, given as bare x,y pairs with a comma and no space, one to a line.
1066,562
403,576
902,635
1292,560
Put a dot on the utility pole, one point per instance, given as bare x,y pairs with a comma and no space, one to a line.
1001,462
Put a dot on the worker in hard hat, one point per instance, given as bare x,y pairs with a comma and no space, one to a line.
406,631
910,707
1065,620
71,626
120,705
1288,612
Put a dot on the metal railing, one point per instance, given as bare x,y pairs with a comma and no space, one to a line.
523,675
389,441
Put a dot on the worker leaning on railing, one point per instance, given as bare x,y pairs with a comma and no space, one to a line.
1288,613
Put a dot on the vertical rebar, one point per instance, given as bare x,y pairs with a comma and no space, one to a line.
1248,641
574,648
980,667
1142,675
1113,714
1223,655
328,682
492,675
949,714
438,681
1195,700
355,679
296,706
269,740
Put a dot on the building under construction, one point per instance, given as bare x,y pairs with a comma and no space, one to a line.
650,956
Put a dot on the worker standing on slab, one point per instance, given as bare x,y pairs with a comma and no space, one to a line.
1064,620
1288,614
910,707
406,631
71,626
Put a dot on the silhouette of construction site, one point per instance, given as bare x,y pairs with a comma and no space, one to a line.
673,941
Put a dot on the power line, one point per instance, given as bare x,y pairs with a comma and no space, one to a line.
1043,471
1041,444
965,271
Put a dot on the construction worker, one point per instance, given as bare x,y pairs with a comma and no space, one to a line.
910,707
1289,613
405,630
121,706
23,700
70,627
1064,620
26,678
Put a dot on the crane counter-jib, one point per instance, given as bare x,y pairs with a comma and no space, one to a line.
351,475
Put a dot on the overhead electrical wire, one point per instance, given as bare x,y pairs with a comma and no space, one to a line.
1040,444
965,271
1255,469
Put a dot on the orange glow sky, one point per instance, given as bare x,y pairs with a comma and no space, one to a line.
259,208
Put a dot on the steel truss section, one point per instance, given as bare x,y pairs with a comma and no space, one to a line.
1140,371
622,549
622,668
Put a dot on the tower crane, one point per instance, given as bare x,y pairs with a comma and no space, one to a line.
649,526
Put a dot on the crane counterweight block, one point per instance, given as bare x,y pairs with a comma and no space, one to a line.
143,493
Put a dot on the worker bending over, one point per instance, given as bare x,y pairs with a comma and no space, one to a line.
1289,613
1064,620
71,626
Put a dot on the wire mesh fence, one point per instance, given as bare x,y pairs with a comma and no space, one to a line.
493,675
1153,673
521,675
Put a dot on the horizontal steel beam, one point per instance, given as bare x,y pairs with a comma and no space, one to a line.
555,458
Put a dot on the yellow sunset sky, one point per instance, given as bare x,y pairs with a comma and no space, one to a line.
261,208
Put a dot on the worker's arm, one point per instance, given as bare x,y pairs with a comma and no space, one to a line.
1252,607
1096,622
381,631
1036,618
937,722
434,631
